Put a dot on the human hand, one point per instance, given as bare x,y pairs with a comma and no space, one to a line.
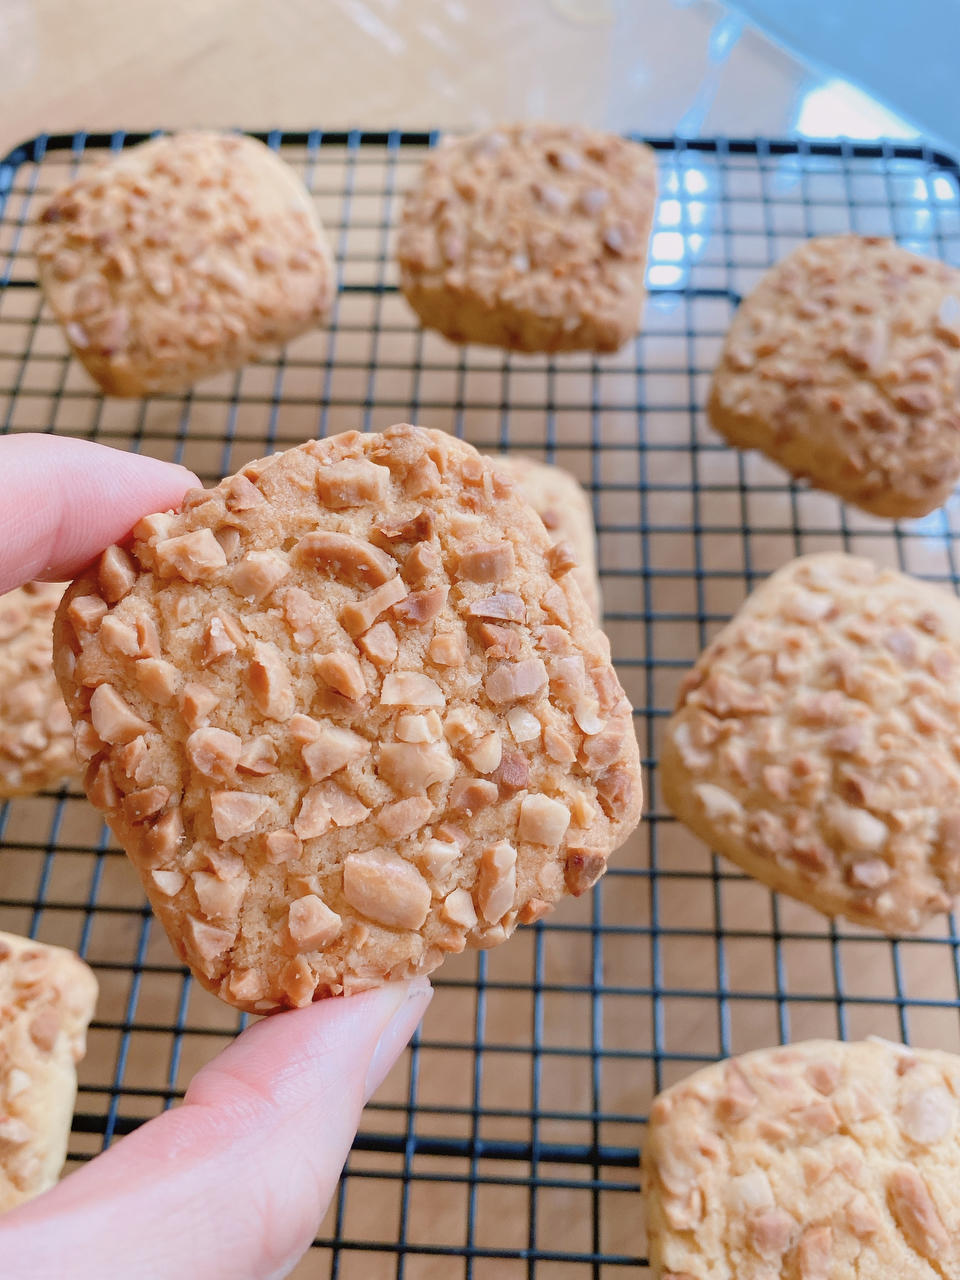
232,1184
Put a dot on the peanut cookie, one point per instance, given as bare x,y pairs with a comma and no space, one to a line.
182,257
815,741
47,996
36,742
842,366
565,510
348,712
531,237
820,1161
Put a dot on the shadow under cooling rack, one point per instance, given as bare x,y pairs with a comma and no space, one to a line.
506,1143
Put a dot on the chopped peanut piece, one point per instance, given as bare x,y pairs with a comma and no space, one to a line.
217,641
385,888
380,645
345,809
209,941
168,882
470,795
497,881
155,526
412,767
313,818
331,749
258,756
486,561
460,725
485,756
302,614
410,689
219,899
542,820
156,679
359,615
164,838
412,727
438,858
342,672
505,606
511,681
458,908
311,923
114,720
257,574
448,649
403,817
118,637
86,612
349,559
524,725
282,846
140,805
269,682
214,752
582,869
196,556
420,561
557,747
116,574
242,495
421,607
235,813
352,483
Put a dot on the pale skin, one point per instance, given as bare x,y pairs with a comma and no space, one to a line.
232,1184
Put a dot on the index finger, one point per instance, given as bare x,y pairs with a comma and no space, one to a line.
63,500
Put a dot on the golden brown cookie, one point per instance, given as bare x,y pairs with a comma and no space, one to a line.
531,237
182,257
36,741
815,741
563,506
47,997
842,365
819,1161
347,713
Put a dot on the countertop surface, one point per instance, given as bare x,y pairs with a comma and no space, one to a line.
656,66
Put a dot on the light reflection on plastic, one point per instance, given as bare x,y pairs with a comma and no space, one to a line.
675,245
837,109
665,277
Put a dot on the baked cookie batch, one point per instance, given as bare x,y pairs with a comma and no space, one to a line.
350,711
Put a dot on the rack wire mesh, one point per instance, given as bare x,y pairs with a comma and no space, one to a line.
506,1143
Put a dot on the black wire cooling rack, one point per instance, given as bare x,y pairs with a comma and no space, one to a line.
506,1144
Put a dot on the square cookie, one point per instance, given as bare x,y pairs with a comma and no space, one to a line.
563,506
818,1161
842,366
531,237
348,713
47,998
815,742
182,257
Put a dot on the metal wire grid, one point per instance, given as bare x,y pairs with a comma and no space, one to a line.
506,1145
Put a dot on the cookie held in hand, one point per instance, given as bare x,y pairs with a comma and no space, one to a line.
348,712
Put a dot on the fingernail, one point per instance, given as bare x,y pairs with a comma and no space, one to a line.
396,1034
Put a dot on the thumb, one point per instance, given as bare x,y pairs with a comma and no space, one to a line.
232,1185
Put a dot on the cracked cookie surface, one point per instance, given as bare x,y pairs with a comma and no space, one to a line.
815,741
562,504
531,237
180,258
842,366
47,997
36,740
819,1161
348,712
